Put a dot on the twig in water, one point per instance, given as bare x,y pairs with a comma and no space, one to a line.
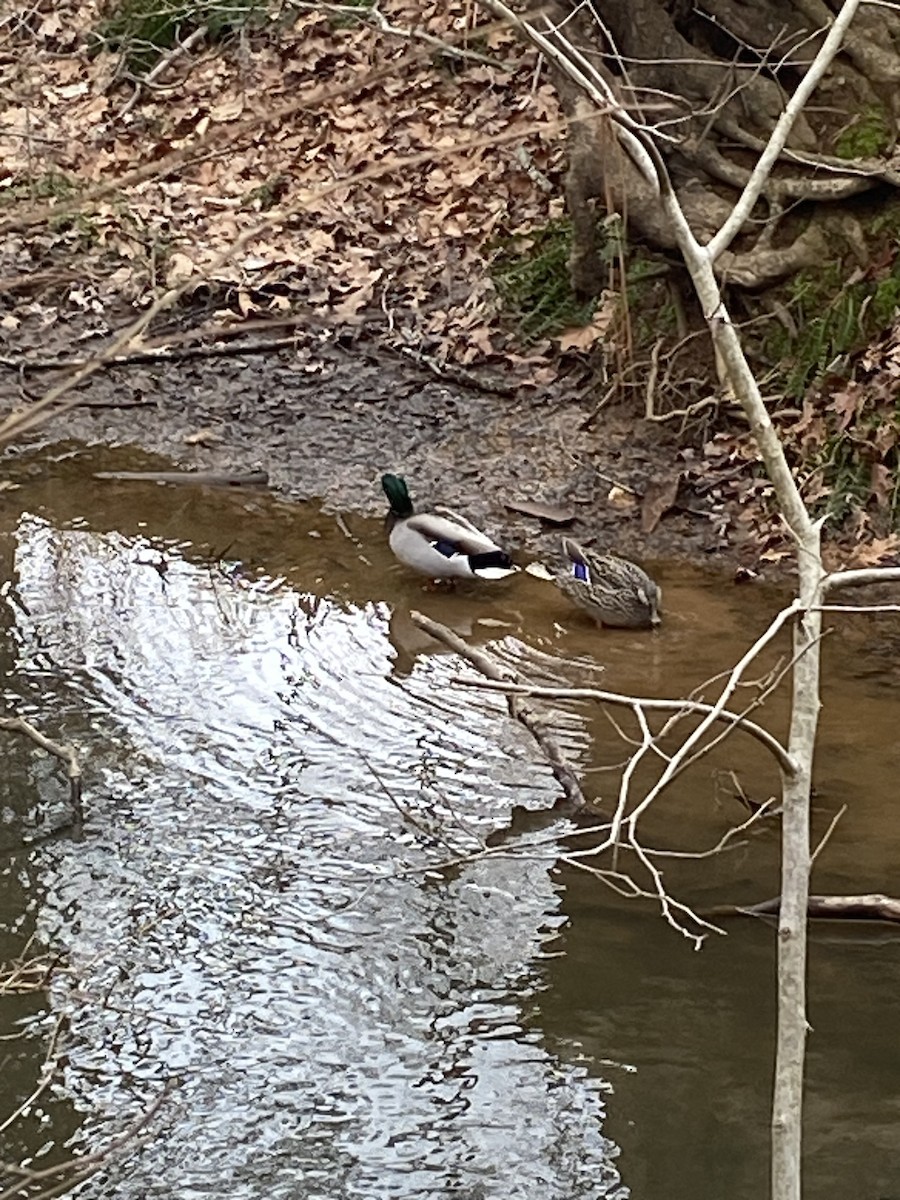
66,754
826,836
518,706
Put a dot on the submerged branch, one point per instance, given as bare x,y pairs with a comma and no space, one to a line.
64,752
872,907
518,708
682,707
42,1183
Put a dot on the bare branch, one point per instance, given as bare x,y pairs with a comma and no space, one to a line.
562,772
827,835
65,753
857,578
795,105
682,707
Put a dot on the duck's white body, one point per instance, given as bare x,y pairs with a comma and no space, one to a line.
446,548
442,544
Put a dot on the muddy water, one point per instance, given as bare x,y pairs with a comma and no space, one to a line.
275,759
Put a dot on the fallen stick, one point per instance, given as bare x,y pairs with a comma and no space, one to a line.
872,907
209,478
519,708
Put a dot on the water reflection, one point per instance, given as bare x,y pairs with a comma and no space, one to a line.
248,903
276,753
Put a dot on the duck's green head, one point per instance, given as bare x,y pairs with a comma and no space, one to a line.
398,496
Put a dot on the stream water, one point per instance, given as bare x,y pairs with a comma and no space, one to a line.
278,764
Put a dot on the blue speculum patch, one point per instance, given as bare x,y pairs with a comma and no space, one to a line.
580,571
448,549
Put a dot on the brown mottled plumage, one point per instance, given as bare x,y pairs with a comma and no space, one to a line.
614,591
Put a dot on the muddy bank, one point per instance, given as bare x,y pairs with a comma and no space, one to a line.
325,424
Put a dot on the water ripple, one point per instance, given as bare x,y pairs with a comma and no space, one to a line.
248,914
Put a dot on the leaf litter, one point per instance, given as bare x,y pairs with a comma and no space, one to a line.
110,196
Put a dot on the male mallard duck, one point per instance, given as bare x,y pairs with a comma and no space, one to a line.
614,591
441,545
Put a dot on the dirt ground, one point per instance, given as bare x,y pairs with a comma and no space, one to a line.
105,219
326,421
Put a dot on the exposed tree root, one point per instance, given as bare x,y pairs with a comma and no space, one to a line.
711,82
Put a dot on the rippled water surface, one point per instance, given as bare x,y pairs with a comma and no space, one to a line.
260,915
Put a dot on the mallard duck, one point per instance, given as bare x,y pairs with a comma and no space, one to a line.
614,591
442,544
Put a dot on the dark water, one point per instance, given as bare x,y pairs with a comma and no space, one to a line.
277,765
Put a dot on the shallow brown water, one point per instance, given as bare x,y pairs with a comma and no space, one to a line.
274,757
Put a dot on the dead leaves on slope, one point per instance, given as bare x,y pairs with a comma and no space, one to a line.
367,250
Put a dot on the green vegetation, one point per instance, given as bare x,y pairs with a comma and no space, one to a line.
143,30
51,186
868,136
267,195
849,435
833,320
531,274
650,305
856,464
54,185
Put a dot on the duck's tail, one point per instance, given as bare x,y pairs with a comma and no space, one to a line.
492,564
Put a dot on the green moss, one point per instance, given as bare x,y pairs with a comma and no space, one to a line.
649,300
531,274
142,30
267,194
51,186
867,136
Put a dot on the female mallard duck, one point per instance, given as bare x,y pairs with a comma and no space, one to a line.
614,591
441,545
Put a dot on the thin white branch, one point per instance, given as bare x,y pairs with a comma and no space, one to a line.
669,906
724,841
628,773
763,169
855,608
841,579
591,83
711,712
827,835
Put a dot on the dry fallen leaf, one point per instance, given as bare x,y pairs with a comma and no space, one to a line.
553,514
584,338
621,497
872,553
202,437
539,571
180,268
659,496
